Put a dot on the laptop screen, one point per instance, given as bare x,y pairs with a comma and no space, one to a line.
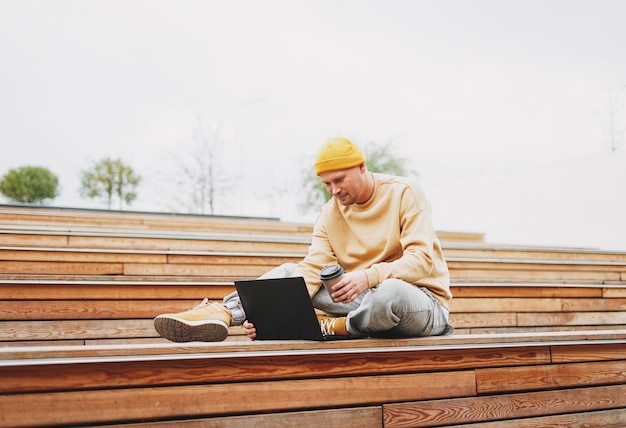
280,309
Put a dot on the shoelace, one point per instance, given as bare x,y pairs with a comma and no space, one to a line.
328,326
204,303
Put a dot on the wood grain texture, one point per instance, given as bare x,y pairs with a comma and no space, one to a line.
540,341
600,419
522,290
505,304
99,256
600,352
615,292
186,401
482,410
571,318
361,417
139,288
538,276
57,268
554,376
90,309
257,367
75,329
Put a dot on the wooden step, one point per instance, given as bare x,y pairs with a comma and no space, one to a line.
453,380
49,216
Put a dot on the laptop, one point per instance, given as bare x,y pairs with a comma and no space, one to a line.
281,309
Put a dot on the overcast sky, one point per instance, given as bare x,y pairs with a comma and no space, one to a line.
501,106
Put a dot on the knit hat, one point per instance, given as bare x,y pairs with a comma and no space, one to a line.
338,153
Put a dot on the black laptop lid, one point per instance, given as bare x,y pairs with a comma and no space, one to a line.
280,309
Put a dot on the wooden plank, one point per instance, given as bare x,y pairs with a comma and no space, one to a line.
248,271
262,259
27,240
602,419
120,231
513,290
114,290
59,374
103,406
149,308
614,293
555,376
504,408
240,235
80,256
503,275
450,236
362,417
517,344
185,244
38,343
168,221
571,318
11,287
516,252
534,341
577,353
484,349
57,268
591,305
503,304
494,305
70,330
496,319
539,330
25,218
18,310
235,334
538,347
368,417
178,221
521,265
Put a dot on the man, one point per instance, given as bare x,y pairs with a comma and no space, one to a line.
379,229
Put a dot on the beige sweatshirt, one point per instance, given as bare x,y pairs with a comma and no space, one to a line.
390,236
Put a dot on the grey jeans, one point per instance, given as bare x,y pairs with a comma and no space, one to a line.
393,308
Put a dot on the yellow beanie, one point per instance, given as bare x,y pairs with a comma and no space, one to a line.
338,153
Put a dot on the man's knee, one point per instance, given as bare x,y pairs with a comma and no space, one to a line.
283,271
400,296
397,289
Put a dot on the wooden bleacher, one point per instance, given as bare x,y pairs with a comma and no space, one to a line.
523,380
540,333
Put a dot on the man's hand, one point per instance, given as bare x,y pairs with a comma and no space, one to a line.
250,330
350,286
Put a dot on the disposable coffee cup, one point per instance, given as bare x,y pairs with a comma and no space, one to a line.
330,275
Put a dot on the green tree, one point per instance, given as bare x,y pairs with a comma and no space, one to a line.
109,179
379,158
29,185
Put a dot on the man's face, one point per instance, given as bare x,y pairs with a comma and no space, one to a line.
346,185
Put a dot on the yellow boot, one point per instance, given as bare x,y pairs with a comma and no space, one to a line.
207,322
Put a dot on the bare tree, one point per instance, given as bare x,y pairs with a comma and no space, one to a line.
201,181
615,128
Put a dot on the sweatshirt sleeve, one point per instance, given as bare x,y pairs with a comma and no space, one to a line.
416,239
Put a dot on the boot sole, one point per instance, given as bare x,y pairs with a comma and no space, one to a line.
178,330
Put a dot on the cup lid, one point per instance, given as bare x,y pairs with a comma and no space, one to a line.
330,272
